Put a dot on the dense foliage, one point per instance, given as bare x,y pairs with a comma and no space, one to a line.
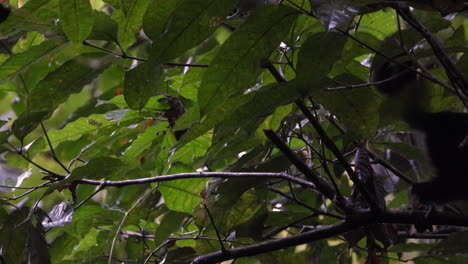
202,131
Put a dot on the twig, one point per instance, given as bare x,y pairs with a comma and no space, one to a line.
334,149
316,211
223,249
389,167
422,74
52,151
125,56
20,153
98,189
122,222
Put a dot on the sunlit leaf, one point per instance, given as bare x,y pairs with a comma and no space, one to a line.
18,63
129,17
55,88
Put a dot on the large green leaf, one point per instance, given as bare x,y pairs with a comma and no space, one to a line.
190,24
97,168
157,16
140,84
239,61
87,125
18,63
356,108
56,87
169,224
317,56
252,114
129,16
104,27
246,112
214,117
142,142
182,195
76,19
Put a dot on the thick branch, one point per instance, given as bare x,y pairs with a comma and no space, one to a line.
273,245
361,218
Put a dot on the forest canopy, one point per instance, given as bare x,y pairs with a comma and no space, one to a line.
231,131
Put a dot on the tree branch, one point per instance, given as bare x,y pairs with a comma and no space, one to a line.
171,177
273,245
457,79
360,218
323,186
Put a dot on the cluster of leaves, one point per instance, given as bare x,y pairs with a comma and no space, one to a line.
178,131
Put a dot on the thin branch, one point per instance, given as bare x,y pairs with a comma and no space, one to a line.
226,175
422,74
316,211
125,56
457,79
52,151
389,167
321,185
98,189
122,222
42,185
334,149
220,240
20,153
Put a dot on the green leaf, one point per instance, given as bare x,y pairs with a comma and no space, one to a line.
17,17
239,61
189,25
96,168
454,244
182,195
169,224
18,63
252,114
380,24
214,117
140,84
13,237
86,125
245,208
31,39
157,16
356,108
317,56
142,142
56,87
129,16
440,260
104,27
76,19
